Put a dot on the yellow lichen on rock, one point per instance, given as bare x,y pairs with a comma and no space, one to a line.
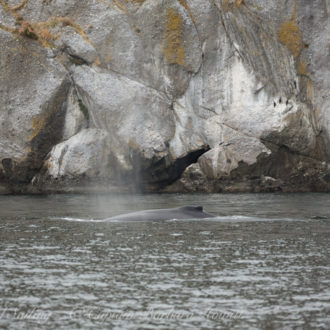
7,28
14,8
302,68
238,3
174,52
38,124
231,4
290,36
41,31
97,62
120,6
140,2
184,4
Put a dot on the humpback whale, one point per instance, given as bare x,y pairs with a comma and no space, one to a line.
183,212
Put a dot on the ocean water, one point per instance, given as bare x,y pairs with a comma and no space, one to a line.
262,263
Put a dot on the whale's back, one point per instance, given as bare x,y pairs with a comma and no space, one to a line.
183,212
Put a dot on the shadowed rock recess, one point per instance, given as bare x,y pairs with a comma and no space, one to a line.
164,95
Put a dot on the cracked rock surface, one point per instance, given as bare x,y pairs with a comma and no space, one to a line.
164,95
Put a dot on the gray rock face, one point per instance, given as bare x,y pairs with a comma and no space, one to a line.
33,91
87,152
174,95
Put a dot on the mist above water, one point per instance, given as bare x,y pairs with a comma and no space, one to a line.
263,206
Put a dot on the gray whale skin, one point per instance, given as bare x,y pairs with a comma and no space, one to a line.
183,212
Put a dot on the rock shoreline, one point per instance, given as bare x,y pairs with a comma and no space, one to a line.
164,96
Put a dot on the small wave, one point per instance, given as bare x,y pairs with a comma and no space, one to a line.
77,219
240,218
243,218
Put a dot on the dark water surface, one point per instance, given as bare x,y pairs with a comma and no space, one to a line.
263,263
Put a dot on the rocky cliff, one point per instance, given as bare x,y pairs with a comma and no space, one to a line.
164,95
